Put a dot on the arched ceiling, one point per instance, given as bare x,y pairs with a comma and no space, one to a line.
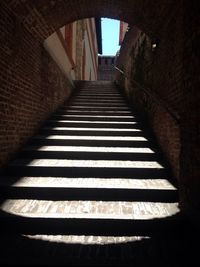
43,17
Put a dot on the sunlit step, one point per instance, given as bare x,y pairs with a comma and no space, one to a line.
80,153
90,129
24,168
88,140
63,123
88,163
92,122
125,150
84,132
87,239
87,94
99,98
97,103
122,210
99,116
90,112
108,138
70,182
97,107
92,118
99,90
118,96
88,194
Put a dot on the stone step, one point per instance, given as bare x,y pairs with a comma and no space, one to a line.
92,112
86,131
105,108
99,95
99,101
94,118
85,226
61,171
98,183
96,103
87,209
88,163
95,194
100,91
90,189
122,150
93,124
33,152
99,98
66,140
110,122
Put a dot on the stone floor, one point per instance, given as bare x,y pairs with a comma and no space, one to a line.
93,189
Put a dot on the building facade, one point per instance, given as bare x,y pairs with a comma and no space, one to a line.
75,48
123,29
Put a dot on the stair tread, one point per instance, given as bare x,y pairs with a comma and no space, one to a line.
90,176
89,209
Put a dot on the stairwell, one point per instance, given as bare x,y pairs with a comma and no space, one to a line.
90,189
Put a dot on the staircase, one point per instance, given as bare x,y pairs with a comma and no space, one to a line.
90,189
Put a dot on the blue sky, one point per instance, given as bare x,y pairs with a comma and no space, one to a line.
110,36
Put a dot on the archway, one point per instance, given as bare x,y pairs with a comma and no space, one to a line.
25,25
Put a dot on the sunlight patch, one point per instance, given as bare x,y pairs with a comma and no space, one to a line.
92,129
88,163
114,183
111,210
83,137
87,240
92,122
98,116
93,149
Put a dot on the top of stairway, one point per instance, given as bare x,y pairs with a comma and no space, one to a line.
93,83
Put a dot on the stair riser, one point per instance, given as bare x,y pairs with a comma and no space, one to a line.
102,227
102,143
90,118
91,125
96,104
88,133
87,108
91,194
93,113
87,155
135,173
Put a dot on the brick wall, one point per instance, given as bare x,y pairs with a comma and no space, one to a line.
190,126
174,73
31,85
150,68
80,28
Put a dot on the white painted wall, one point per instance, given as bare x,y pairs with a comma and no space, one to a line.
55,49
